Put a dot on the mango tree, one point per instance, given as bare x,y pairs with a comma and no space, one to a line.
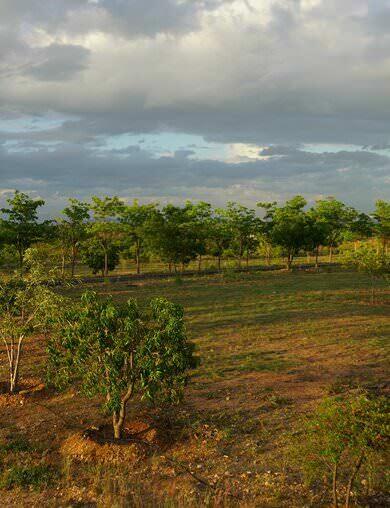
120,351
367,259
28,307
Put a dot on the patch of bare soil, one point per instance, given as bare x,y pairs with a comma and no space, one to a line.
139,438
26,388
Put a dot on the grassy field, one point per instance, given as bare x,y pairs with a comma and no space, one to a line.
271,344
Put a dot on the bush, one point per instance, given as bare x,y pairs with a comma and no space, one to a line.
119,351
341,436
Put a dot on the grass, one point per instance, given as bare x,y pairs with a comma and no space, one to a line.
271,344
33,476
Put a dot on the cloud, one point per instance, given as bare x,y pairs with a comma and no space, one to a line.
267,73
134,172
58,62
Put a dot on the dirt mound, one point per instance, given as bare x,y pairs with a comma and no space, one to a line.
96,444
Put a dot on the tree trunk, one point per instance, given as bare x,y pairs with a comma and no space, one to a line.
14,355
352,479
372,290
199,262
73,261
63,266
330,254
118,417
334,487
170,267
316,262
20,252
219,263
105,263
289,261
137,259
247,260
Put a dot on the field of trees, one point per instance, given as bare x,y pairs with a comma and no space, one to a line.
239,357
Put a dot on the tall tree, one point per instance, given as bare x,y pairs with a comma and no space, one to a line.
72,229
136,219
219,237
21,227
200,216
382,222
336,217
244,227
172,235
105,227
286,226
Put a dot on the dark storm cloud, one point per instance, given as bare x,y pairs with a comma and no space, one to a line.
133,172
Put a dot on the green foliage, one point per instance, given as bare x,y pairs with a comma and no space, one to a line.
106,228
71,230
243,226
28,306
341,435
172,235
20,225
118,351
98,259
368,259
382,220
34,476
335,219
136,220
286,226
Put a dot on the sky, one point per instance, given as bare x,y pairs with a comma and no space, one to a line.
215,100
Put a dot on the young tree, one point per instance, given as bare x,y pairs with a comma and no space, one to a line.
120,351
368,260
135,219
21,227
286,226
382,222
27,307
340,436
72,229
244,227
106,228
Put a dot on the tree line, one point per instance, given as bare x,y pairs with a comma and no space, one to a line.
98,233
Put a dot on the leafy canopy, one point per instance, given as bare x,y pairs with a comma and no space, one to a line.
112,350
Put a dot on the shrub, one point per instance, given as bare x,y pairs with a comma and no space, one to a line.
120,351
340,436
